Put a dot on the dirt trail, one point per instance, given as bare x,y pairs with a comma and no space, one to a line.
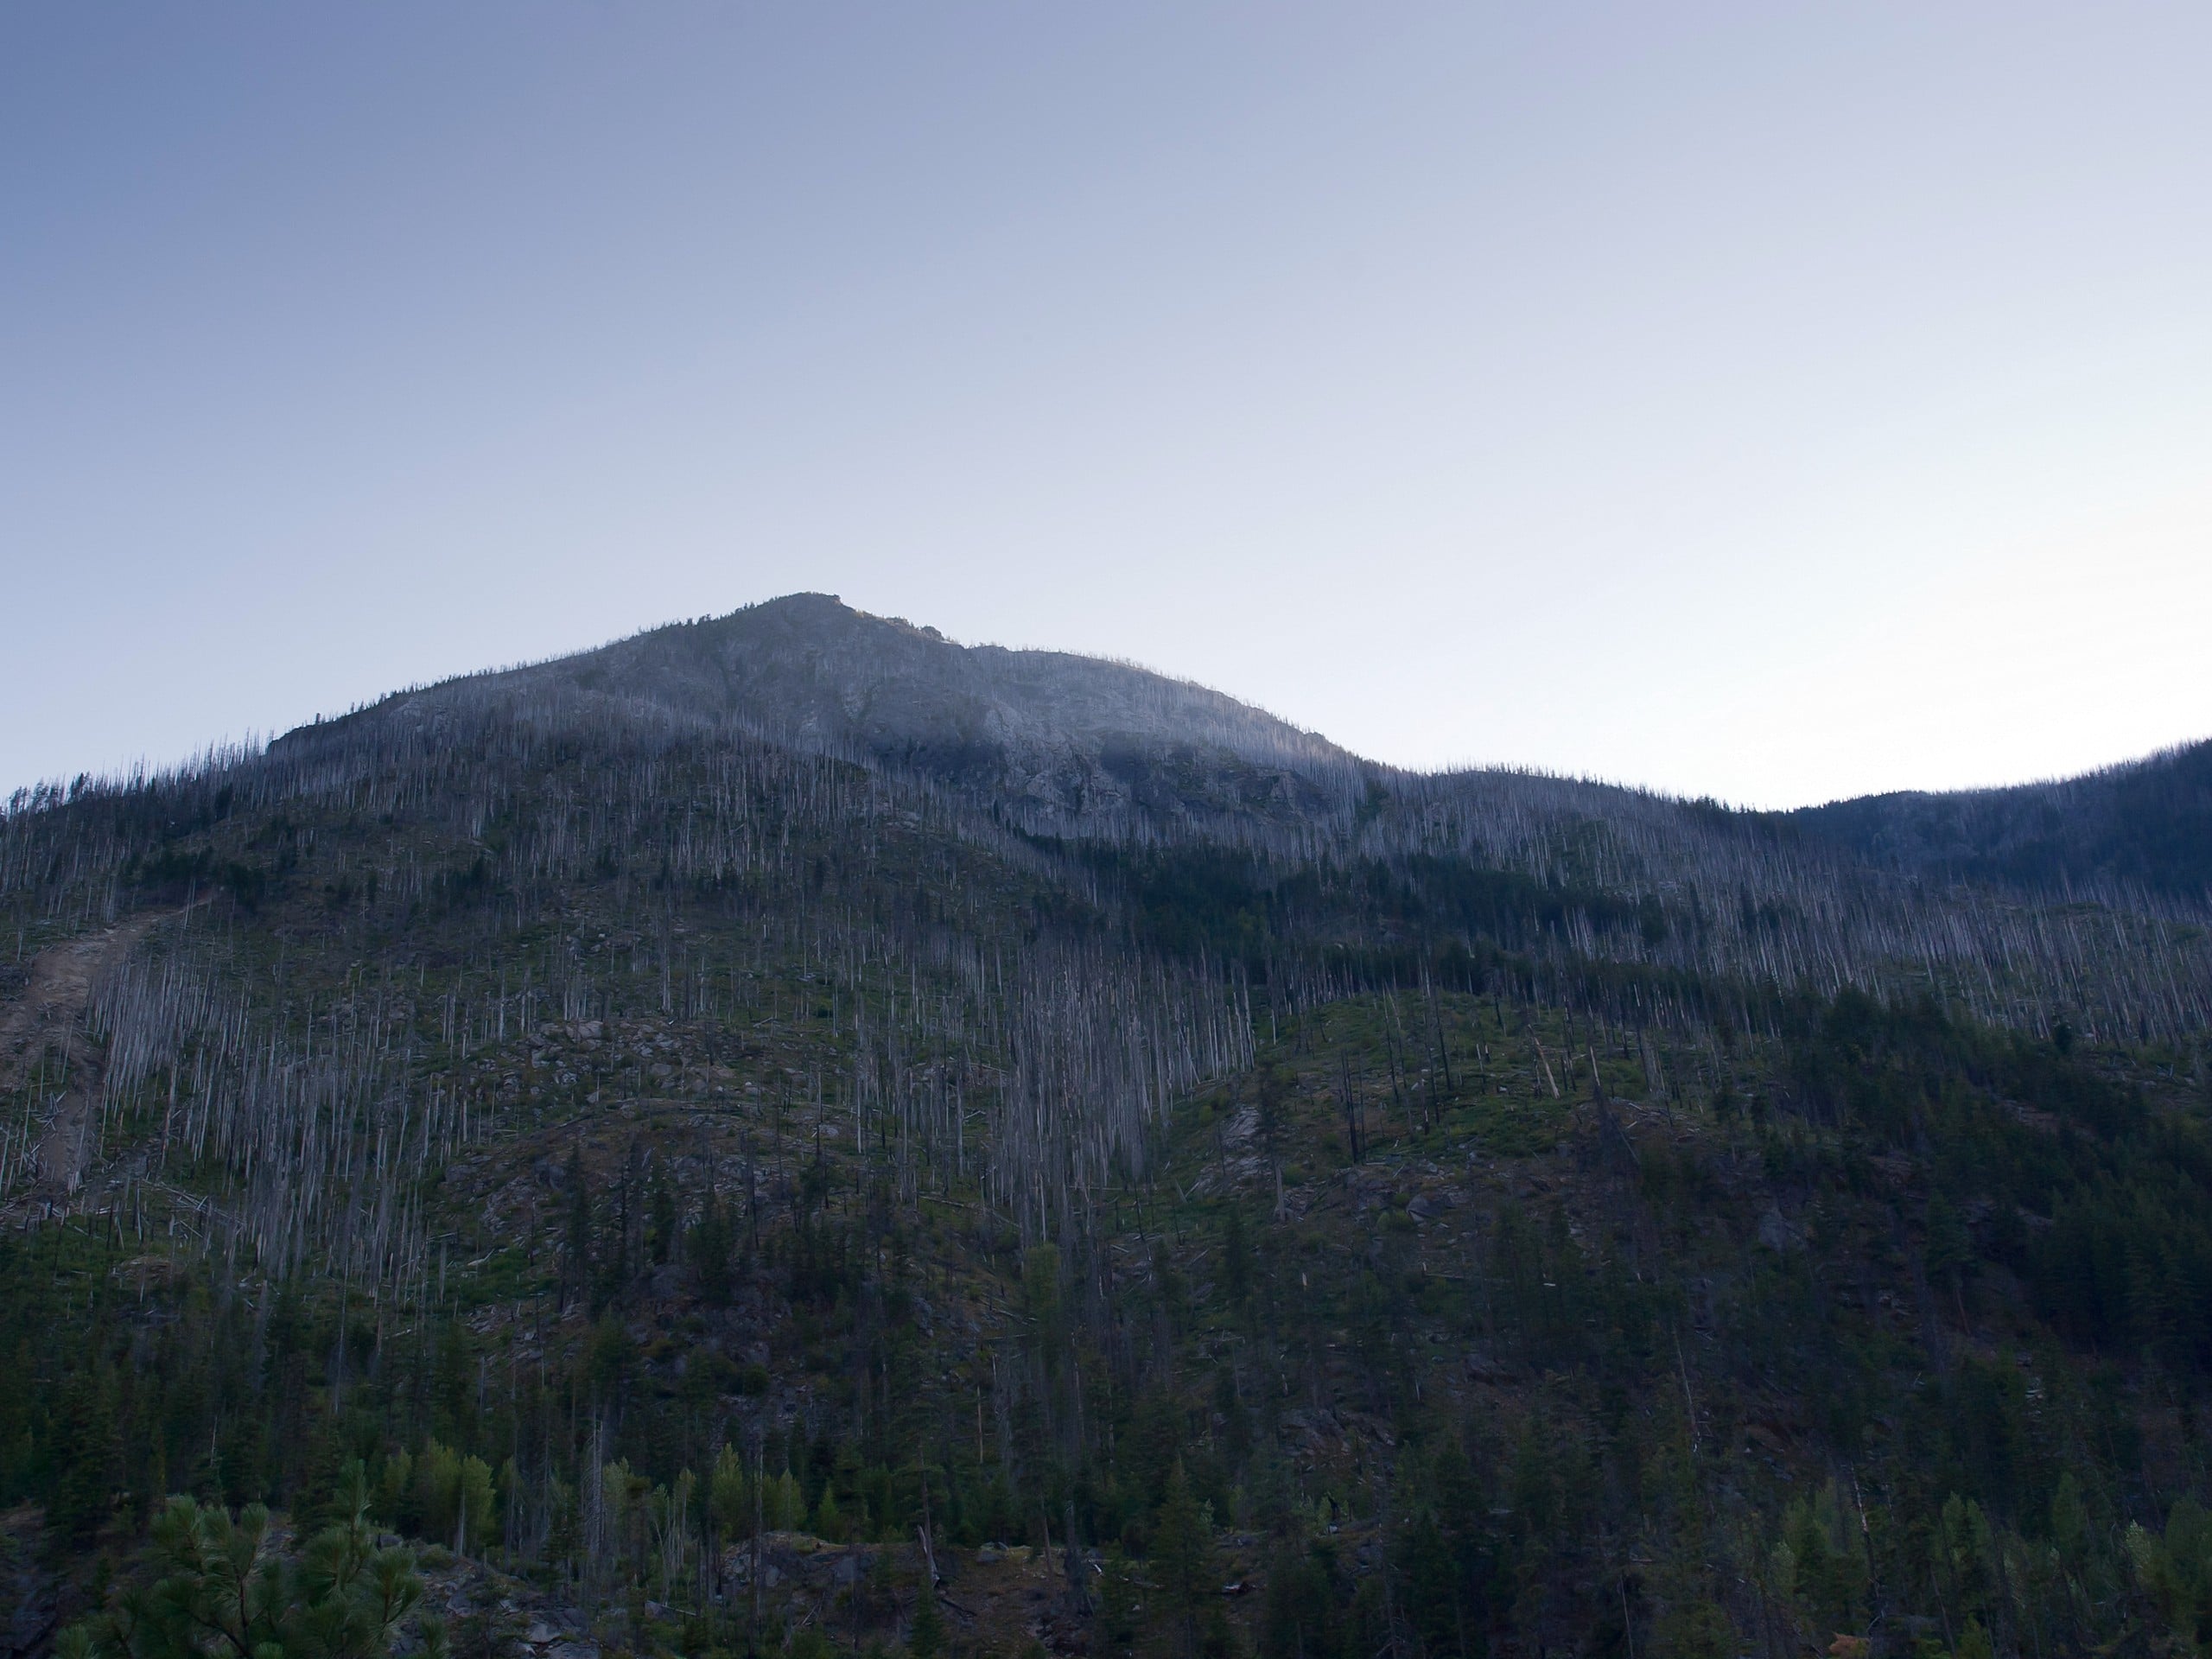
47,1023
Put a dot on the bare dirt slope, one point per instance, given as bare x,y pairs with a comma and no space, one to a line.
42,1033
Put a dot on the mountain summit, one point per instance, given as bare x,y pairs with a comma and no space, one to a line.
1070,740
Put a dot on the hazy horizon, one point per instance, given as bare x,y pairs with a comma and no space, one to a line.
1780,406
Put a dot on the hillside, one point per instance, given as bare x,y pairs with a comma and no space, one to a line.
2147,825
1068,741
789,1133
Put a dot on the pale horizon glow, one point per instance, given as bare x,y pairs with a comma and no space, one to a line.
1772,404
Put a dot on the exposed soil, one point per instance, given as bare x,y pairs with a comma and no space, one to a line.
46,1023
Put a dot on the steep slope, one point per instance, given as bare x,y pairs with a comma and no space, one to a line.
720,1165
1084,751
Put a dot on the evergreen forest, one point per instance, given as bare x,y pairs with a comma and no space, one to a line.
788,1136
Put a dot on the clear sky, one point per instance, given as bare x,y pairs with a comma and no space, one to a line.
1775,401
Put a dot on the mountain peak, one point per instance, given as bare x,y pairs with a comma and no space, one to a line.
1064,741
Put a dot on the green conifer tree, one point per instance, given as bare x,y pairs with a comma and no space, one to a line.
92,1446
1183,1576
926,1634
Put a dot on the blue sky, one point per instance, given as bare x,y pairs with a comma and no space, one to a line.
1777,402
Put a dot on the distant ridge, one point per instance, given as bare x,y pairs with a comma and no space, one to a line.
2147,823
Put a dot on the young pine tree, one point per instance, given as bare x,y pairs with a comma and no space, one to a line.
710,1247
91,1446
576,1236
925,1635
1184,1579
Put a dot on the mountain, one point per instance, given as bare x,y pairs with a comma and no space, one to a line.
2145,825
785,1132
1072,741
1110,758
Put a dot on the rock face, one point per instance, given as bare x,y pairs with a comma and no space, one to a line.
1061,742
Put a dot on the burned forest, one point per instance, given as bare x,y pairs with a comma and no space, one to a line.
787,1135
